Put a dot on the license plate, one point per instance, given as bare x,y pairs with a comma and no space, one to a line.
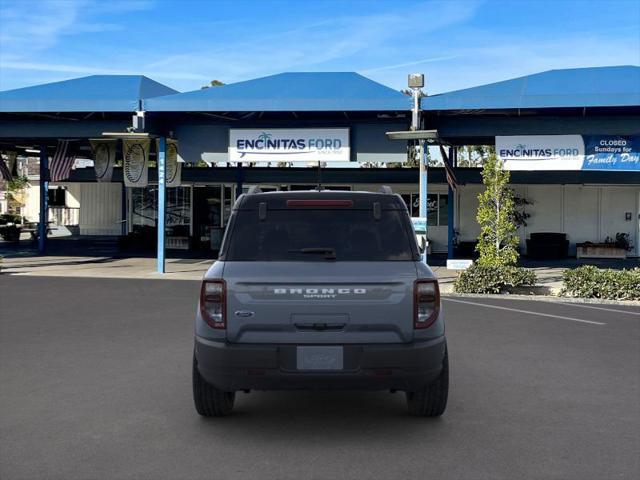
320,358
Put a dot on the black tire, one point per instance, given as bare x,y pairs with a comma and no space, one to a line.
432,400
209,401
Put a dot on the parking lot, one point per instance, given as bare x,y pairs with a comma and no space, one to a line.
95,384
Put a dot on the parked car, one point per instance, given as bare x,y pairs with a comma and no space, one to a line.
320,290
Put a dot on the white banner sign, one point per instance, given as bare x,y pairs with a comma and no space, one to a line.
289,145
173,166
104,157
136,162
541,152
458,264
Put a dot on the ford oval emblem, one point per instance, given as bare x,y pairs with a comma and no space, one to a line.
243,313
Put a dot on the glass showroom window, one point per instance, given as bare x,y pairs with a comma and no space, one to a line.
144,207
437,212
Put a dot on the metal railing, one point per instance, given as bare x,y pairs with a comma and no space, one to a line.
64,215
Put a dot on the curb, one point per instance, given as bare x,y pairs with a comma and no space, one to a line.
544,298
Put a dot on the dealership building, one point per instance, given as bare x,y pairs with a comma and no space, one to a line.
571,139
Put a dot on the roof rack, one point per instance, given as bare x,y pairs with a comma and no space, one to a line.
385,189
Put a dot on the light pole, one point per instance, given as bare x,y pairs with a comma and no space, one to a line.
416,83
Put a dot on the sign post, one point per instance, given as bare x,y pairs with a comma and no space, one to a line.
162,190
423,189
416,82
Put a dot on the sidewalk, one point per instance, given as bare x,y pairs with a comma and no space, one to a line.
104,267
184,269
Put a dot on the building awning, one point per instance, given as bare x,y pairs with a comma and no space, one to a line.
288,92
617,86
95,93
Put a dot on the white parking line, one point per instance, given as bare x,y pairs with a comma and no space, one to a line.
597,308
524,311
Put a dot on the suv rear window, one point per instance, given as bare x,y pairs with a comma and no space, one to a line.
339,234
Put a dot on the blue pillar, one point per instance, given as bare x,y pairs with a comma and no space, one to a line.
44,200
162,191
450,207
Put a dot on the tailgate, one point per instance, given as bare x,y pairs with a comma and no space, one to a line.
319,302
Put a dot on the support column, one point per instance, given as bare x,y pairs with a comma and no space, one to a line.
423,191
453,157
162,191
239,179
124,211
44,200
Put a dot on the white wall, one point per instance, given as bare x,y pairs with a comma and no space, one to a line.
583,212
581,215
73,195
615,202
100,208
31,208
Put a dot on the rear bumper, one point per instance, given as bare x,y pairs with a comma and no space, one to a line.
407,367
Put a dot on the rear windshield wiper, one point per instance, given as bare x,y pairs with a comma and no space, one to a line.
330,253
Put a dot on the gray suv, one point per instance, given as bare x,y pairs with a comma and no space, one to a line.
320,290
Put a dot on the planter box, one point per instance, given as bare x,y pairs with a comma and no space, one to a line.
599,250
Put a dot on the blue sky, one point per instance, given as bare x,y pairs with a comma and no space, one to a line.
184,44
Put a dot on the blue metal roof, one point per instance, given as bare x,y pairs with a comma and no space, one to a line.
576,87
288,92
96,93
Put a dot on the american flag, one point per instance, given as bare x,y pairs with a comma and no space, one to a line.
5,172
62,161
448,169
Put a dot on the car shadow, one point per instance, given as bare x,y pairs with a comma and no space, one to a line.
331,417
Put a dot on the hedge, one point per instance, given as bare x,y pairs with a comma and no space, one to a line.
493,279
588,281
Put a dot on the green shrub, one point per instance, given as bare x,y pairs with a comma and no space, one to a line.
592,282
493,279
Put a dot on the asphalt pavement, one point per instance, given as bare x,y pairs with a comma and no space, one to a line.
95,384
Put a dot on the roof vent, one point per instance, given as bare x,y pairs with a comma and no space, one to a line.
254,189
385,189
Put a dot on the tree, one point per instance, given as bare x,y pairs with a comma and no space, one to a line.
474,155
16,189
497,243
213,83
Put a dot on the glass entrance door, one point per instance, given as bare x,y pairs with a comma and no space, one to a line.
211,210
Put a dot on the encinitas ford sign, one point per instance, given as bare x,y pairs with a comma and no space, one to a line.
541,152
289,145
569,152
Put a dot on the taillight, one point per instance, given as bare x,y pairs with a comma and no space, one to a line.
213,299
426,303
